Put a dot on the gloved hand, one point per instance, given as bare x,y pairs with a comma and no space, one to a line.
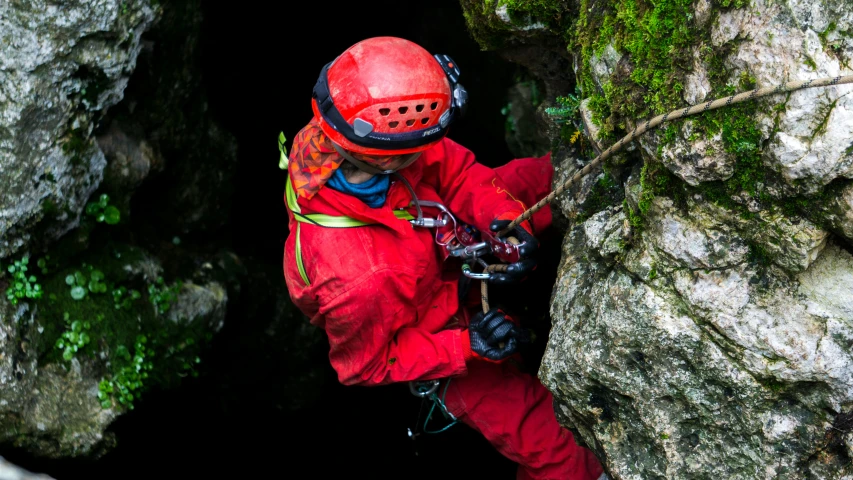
519,270
494,336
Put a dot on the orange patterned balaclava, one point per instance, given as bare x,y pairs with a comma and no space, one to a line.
313,160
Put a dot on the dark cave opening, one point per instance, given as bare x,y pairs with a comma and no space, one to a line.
259,66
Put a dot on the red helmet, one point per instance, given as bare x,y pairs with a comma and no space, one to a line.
388,96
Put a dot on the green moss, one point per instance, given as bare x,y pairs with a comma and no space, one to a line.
826,112
773,385
600,196
121,326
656,180
734,3
742,139
829,29
657,36
634,218
758,254
115,323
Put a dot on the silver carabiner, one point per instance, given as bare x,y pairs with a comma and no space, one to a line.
416,391
429,222
442,220
466,270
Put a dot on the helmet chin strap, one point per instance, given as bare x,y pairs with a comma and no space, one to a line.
367,168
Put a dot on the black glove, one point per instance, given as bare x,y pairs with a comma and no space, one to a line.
494,336
521,269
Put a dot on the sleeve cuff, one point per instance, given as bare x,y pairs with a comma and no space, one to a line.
467,353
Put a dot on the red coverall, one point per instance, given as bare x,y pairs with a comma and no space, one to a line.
389,303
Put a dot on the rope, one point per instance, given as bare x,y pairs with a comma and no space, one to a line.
675,115
484,289
653,123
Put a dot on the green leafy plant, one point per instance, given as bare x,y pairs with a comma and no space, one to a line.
124,298
567,108
103,211
126,385
74,338
22,285
81,285
42,264
163,296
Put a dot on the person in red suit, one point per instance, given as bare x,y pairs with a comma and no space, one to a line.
358,264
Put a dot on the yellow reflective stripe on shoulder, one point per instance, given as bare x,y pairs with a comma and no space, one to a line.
292,204
282,159
323,220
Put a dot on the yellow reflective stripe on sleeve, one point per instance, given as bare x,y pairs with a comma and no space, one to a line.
299,264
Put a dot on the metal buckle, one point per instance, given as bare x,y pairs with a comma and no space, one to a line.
415,388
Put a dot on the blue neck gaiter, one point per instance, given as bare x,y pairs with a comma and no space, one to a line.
371,192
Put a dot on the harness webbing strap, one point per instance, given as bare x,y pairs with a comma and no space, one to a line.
323,220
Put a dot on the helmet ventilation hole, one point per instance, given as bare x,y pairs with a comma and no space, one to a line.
419,108
433,105
403,110
410,122
424,120
393,124
384,111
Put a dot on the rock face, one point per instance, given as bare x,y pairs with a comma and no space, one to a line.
12,472
702,315
680,354
60,67
103,320
59,406
807,134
